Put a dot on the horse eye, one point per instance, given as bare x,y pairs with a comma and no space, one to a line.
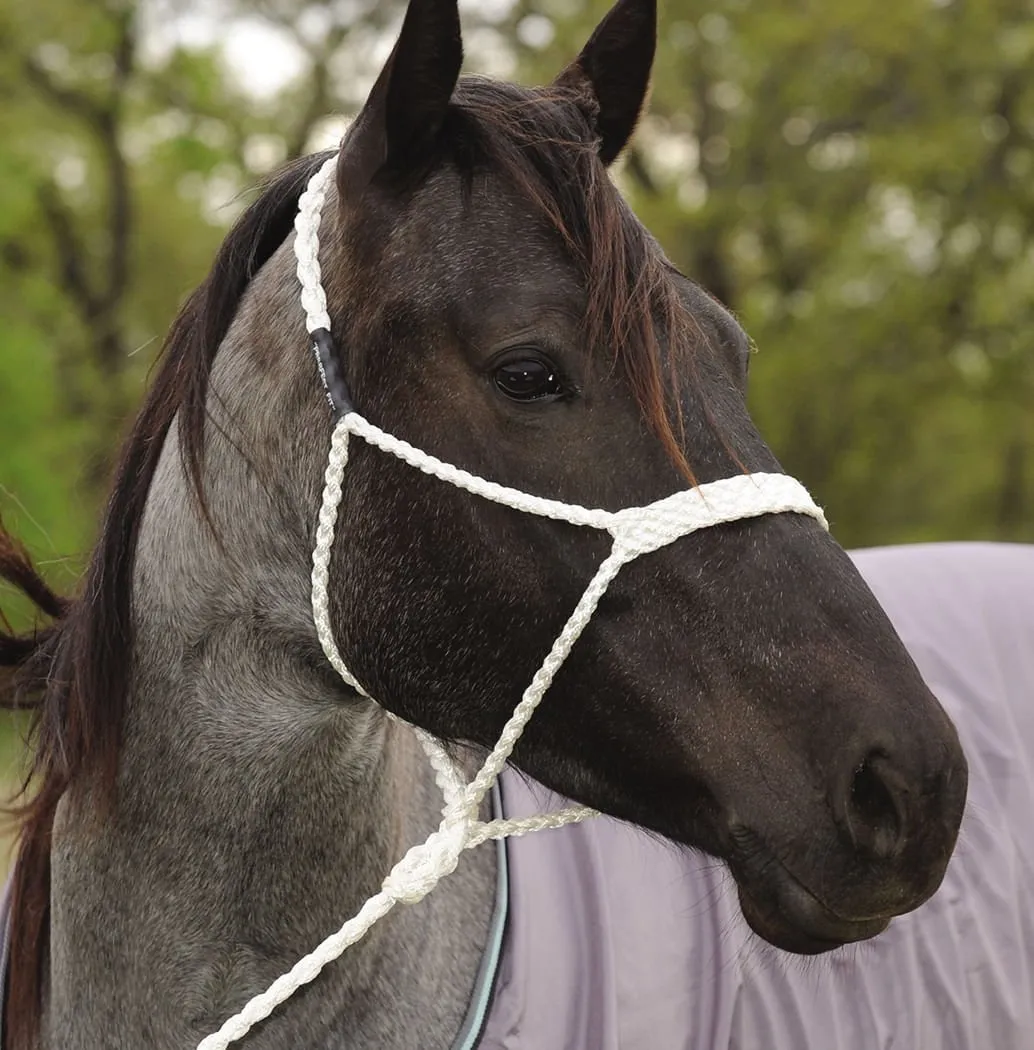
528,379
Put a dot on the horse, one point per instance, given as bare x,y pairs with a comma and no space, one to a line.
211,797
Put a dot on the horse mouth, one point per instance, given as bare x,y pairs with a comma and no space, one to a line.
797,922
783,911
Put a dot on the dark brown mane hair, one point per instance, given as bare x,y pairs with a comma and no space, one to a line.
74,674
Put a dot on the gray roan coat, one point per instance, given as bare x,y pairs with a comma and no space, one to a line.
212,800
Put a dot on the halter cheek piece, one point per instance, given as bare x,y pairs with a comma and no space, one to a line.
636,531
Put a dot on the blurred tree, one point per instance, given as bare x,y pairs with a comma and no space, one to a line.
127,144
857,186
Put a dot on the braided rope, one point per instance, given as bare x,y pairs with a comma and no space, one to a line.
307,247
641,529
636,531
490,490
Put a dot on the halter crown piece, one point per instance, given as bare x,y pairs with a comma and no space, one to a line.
636,531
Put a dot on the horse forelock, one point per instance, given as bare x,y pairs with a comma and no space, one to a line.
544,144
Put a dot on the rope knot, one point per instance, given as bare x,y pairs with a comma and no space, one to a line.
425,865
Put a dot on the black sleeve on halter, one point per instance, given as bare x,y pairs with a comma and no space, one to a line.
330,372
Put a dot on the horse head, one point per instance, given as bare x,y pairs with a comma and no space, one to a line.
497,304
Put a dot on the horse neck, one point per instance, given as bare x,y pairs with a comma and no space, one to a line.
260,802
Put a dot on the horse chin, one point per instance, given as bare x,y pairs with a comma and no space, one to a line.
791,918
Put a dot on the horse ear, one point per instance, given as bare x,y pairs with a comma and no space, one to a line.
616,65
408,103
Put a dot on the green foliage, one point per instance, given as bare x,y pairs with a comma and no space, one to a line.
856,184
123,158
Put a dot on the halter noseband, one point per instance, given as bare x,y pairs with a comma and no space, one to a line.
636,531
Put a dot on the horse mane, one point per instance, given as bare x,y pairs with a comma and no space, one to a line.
75,673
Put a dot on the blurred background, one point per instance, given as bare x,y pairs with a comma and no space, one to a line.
856,181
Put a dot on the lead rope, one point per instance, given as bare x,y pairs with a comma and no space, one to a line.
636,531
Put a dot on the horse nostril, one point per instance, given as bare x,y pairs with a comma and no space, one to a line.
875,815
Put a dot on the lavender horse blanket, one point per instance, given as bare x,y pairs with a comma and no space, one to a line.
617,941
613,940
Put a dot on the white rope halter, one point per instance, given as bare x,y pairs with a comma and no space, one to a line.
636,531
